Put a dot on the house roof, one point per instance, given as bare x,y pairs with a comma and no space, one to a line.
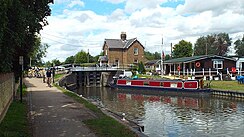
103,58
151,62
194,58
120,44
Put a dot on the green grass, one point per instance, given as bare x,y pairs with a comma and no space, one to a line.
15,123
103,126
24,89
108,127
226,85
58,76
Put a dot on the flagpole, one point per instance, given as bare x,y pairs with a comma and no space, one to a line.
162,63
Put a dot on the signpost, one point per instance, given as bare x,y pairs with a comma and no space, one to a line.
21,62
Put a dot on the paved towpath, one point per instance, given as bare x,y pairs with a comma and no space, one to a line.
54,114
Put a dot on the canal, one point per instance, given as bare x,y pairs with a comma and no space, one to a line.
173,114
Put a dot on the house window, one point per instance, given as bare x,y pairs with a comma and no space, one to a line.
135,51
106,52
218,64
135,60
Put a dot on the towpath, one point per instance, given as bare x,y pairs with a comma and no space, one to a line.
54,114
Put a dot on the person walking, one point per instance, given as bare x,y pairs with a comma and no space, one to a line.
49,73
43,76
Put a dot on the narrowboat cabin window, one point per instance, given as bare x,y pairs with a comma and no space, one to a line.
218,64
135,51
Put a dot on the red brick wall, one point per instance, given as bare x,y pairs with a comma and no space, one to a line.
7,85
125,56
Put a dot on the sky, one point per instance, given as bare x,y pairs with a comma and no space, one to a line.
77,25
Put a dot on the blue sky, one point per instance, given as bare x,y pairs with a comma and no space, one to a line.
84,24
103,7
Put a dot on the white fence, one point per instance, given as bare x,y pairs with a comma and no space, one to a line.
209,74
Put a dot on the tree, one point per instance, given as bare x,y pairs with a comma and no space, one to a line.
214,44
182,49
56,62
167,57
141,68
152,56
81,57
239,47
48,64
39,51
221,44
20,22
148,55
69,60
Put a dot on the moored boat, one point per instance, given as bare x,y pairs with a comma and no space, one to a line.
163,85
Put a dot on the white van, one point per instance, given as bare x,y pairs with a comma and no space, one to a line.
126,74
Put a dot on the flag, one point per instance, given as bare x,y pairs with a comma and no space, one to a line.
162,55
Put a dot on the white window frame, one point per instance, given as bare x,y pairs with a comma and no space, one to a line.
136,51
216,64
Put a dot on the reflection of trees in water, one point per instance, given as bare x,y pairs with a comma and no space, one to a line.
189,112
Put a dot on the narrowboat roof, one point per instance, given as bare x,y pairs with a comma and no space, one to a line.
194,58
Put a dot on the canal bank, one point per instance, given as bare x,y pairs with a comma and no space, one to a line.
56,113
172,113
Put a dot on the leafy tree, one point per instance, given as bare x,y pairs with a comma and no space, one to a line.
20,22
48,64
239,47
152,56
141,68
221,44
157,55
69,60
216,44
81,57
56,62
39,51
182,49
148,55
167,57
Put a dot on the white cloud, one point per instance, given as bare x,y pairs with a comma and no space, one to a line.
216,6
82,30
76,2
114,1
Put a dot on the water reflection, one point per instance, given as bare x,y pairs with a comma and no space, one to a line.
173,114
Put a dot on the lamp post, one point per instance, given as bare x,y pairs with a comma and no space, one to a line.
21,62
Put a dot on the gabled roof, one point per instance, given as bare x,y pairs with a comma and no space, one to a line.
194,58
103,58
120,44
152,62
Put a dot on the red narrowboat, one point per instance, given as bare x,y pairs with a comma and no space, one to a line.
163,85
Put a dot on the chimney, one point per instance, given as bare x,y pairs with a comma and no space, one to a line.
123,36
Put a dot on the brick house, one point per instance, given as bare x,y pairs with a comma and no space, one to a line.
123,52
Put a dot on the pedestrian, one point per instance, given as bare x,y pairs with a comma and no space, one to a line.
49,73
43,75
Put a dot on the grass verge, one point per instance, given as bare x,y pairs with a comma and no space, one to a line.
58,76
15,123
226,85
103,126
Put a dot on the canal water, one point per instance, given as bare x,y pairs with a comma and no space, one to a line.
173,114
